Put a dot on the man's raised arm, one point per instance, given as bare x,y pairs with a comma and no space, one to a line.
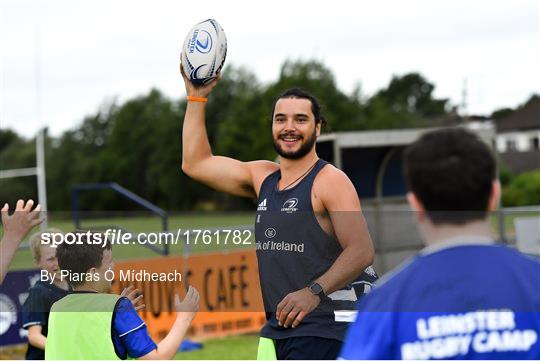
221,173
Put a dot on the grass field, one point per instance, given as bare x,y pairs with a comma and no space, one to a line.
227,348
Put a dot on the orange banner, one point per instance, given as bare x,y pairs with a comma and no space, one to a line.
228,283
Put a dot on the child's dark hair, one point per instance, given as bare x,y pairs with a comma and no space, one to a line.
451,172
79,258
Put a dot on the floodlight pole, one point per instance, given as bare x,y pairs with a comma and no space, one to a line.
40,137
40,168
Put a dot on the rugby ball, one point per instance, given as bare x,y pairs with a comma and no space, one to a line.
204,52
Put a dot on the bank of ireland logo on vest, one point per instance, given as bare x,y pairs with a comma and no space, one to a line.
290,205
270,232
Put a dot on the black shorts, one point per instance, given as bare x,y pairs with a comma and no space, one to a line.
307,348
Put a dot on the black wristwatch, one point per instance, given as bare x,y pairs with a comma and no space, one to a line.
317,290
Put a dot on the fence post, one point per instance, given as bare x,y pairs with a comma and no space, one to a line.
502,227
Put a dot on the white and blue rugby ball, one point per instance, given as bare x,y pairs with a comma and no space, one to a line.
204,52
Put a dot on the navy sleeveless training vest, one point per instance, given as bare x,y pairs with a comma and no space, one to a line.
293,251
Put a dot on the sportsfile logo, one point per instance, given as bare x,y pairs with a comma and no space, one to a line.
290,205
262,206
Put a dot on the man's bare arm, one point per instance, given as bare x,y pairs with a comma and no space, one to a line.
221,173
341,201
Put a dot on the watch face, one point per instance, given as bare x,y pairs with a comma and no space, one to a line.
316,288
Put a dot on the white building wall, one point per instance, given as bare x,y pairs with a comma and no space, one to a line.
522,140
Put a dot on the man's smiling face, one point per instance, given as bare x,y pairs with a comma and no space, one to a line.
294,129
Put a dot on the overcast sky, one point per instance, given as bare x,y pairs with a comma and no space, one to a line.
92,51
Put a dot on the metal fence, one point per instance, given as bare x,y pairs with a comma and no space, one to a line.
396,237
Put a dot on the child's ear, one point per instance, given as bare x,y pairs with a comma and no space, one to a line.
416,206
495,196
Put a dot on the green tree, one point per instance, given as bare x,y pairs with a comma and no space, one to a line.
73,159
7,137
16,152
406,102
523,190
506,112
243,130
412,93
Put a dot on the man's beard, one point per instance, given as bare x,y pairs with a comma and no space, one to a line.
304,149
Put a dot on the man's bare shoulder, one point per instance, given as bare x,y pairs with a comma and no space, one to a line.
260,169
335,189
329,175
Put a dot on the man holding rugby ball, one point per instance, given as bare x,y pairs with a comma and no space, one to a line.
313,247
